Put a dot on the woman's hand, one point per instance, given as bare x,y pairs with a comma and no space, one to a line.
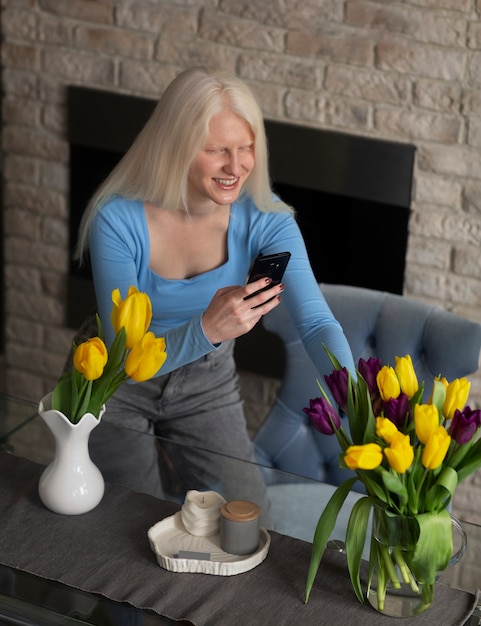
229,315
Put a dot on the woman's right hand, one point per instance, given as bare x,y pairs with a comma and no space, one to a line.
229,315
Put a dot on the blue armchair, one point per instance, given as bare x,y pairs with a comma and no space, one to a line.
376,324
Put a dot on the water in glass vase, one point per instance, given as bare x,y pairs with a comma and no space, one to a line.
402,600
395,556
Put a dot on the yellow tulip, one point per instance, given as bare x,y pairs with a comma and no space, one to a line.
146,358
388,383
406,375
90,358
365,457
386,429
400,453
134,314
457,393
436,448
426,421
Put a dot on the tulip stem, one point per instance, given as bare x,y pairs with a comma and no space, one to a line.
428,597
388,565
401,563
419,487
82,400
381,588
406,573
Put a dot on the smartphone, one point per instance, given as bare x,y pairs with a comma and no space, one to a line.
268,266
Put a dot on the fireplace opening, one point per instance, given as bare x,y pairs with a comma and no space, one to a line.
352,194
340,235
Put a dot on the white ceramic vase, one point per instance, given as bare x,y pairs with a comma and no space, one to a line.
71,483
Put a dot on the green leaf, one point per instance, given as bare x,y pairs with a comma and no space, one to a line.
356,423
117,354
442,490
100,330
355,540
323,392
324,528
81,401
393,483
372,480
439,395
468,468
62,394
418,396
104,389
365,408
470,463
335,363
379,492
434,546
461,452
77,380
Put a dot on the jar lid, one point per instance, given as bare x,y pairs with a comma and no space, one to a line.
240,510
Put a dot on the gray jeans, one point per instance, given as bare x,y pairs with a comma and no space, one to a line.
197,415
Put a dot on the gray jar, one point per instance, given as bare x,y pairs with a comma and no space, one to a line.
239,527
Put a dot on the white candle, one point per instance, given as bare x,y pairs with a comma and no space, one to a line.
201,512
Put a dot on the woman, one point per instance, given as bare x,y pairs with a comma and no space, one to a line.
182,217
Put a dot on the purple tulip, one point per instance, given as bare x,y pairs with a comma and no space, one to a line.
369,370
323,416
398,410
464,425
337,383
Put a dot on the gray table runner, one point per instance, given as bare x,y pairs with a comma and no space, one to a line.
106,551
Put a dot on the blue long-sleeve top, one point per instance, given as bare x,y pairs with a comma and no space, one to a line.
120,253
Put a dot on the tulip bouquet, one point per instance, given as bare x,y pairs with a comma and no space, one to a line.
410,456
96,373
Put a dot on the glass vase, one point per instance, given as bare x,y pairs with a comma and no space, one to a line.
393,588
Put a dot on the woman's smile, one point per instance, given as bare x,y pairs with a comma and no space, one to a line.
226,182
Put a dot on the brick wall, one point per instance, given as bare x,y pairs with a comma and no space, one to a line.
406,70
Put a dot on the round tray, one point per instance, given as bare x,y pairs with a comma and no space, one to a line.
169,537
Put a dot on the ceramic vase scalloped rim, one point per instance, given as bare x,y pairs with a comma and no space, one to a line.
71,484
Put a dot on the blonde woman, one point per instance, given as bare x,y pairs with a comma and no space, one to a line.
182,217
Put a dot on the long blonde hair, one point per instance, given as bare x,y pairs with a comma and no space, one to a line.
156,166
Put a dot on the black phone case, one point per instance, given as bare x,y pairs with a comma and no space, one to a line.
270,266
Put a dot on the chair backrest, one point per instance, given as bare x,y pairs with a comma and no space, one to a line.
377,324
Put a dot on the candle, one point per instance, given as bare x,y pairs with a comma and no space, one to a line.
201,511
239,527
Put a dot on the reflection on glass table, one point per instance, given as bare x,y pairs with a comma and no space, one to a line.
291,504
14,414
28,600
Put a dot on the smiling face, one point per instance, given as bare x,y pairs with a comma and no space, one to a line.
221,168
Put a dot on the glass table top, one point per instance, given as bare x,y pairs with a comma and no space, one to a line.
14,414
296,504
